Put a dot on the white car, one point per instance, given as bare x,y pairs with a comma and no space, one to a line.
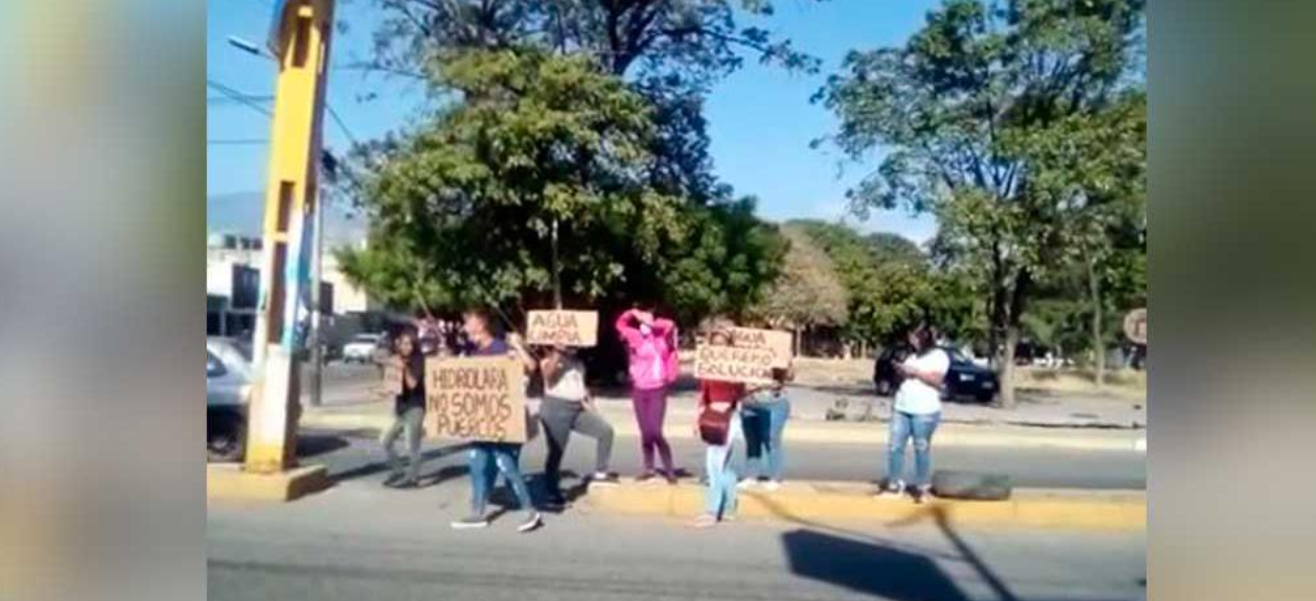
228,391
362,348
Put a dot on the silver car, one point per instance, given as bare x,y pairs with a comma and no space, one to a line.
228,390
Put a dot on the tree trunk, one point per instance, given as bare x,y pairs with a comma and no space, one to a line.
1007,399
1013,321
1098,340
796,331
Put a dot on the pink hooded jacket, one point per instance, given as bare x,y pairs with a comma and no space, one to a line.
653,356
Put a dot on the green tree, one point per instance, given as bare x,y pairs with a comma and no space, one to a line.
889,282
959,109
536,186
464,210
807,294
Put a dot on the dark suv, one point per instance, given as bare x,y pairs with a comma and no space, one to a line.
964,379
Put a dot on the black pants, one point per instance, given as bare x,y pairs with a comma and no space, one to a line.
560,418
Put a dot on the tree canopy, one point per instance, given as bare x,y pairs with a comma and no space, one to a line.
808,292
540,178
966,112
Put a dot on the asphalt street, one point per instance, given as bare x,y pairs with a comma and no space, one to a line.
361,542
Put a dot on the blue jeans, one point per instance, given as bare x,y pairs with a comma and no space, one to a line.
722,479
920,428
486,459
764,423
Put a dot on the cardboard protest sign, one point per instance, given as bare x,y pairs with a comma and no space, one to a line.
777,342
475,398
391,384
734,364
568,328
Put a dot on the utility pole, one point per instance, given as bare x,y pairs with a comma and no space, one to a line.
299,41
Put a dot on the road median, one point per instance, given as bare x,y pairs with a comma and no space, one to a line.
378,416
840,503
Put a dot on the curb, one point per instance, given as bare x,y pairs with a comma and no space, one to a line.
831,503
227,482
817,433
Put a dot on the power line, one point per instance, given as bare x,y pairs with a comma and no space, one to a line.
229,99
339,120
238,96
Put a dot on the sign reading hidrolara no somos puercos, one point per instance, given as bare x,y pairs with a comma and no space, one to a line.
566,328
475,398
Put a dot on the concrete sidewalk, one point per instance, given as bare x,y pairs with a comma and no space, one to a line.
801,429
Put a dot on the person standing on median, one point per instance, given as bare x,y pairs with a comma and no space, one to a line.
568,407
487,459
915,414
651,344
408,411
763,420
718,424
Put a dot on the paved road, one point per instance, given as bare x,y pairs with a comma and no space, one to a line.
360,542
356,455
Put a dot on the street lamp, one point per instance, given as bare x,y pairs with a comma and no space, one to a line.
317,350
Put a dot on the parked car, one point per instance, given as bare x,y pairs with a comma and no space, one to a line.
964,378
228,393
362,348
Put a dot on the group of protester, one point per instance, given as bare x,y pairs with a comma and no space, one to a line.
727,412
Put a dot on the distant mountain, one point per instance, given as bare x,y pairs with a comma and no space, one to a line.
241,213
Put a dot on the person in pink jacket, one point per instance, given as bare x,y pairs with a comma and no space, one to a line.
651,342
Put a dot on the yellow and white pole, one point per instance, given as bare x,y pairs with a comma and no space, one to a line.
299,41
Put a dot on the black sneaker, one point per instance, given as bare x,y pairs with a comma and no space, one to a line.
671,478
408,483
921,494
645,477
392,480
555,502
470,523
531,523
604,479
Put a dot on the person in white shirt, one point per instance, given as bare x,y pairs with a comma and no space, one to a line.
568,407
916,413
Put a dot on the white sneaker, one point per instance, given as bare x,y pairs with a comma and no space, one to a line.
771,485
746,484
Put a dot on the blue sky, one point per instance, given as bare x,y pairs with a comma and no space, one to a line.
760,118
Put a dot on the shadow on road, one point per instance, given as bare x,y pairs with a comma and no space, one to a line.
871,569
311,445
377,467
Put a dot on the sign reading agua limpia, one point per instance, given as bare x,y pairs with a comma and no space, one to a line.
475,398
568,328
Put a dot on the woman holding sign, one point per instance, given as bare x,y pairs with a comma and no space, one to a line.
408,410
916,414
568,408
764,422
651,343
718,424
487,459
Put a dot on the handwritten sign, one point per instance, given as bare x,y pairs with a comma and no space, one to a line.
567,328
733,364
391,384
475,398
777,342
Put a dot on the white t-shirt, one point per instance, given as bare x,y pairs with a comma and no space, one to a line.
570,384
916,396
